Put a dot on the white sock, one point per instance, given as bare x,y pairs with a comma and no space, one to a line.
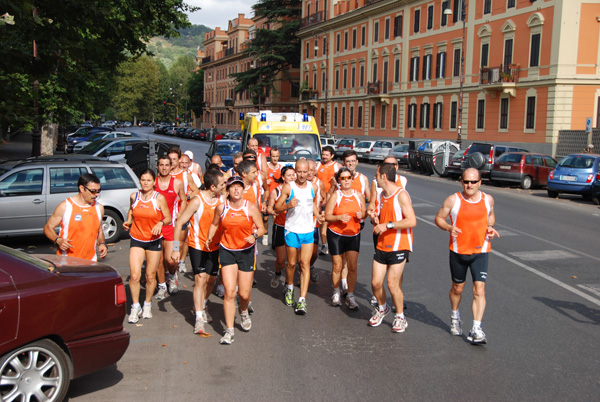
135,305
401,315
290,287
162,285
476,324
147,303
301,299
344,283
455,314
230,330
382,307
199,315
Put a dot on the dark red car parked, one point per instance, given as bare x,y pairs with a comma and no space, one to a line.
60,318
527,169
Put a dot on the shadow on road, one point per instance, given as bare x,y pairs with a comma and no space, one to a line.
578,312
94,382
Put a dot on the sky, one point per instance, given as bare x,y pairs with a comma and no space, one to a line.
217,13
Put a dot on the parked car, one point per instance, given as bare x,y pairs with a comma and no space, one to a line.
527,169
110,124
113,148
400,152
102,135
30,191
224,148
233,136
381,149
574,174
83,134
596,190
344,145
331,141
43,342
363,149
482,156
127,124
453,169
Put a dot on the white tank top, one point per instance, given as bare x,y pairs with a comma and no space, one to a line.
300,218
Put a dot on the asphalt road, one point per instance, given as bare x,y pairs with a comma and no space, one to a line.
541,321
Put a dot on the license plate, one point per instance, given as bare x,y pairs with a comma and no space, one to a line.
568,178
505,167
455,163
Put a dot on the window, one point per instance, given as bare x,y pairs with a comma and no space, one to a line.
337,79
394,116
343,116
427,67
354,38
508,51
362,76
437,115
307,50
430,17
504,113
459,9
322,117
456,69
412,115
386,32
323,80
511,4
345,81
26,182
376,32
383,115
424,122
372,116
363,35
335,116
398,26
417,23
453,114
316,47
487,6
385,77
530,119
485,49
353,78
440,65
337,44
397,70
480,113
375,72
414,69
314,85
360,117
534,58
445,5
351,120
346,40
112,178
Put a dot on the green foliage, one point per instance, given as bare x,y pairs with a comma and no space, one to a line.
137,89
196,92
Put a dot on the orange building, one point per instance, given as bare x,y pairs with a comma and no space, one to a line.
387,68
221,57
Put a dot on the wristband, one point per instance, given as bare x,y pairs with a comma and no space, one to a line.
56,241
175,246
491,226
102,243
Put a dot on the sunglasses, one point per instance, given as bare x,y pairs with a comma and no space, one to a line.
470,181
345,177
93,191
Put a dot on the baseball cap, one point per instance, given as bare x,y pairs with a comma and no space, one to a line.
190,154
233,180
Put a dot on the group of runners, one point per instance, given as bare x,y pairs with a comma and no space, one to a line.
217,218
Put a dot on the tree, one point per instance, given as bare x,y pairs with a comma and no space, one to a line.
137,93
196,93
276,50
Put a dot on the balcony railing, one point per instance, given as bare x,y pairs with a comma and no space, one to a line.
206,60
373,88
312,19
499,75
229,52
309,94
229,102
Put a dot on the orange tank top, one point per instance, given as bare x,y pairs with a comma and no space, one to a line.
252,193
326,172
146,214
199,224
471,217
280,218
273,174
237,225
80,224
391,211
400,182
346,204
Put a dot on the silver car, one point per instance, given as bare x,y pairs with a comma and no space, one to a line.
344,145
30,191
363,149
400,152
100,136
381,149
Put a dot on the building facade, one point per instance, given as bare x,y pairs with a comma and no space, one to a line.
393,68
222,56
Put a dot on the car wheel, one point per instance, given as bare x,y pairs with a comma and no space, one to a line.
39,369
112,226
552,194
476,160
596,200
526,182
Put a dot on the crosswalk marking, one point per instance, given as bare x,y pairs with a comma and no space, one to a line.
542,255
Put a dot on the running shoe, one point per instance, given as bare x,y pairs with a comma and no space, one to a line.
173,284
199,326
147,311
351,302
227,339
374,301
477,337
378,316
134,317
300,307
246,321
161,293
456,326
207,316
275,282
289,297
221,291
250,308
324,250
344,289
336,299
182,267
399,325
314,274
265,240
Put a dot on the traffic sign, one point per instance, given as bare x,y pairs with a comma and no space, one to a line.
588,125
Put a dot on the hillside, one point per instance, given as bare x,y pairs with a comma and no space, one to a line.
168,50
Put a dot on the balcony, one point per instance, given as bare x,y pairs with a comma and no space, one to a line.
230,103
206,59
374,90
229,52
206,105
503,79
312,19
309,94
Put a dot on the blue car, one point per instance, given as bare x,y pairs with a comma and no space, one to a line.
574,174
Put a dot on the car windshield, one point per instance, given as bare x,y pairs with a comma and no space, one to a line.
96,136
27,258
510,158
401,148
577,162
483,148
92,147
364,144
227,149
291,146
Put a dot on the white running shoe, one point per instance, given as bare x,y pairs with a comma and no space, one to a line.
477,337
351,302
246,321
147,311
227,339
399,325
378,316
134,317
161,293
265,240
199,325
456,326
336,299
173,283
182,267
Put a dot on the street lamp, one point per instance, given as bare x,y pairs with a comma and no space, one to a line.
463,14
326,53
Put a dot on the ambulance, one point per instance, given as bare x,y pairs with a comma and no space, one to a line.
295,134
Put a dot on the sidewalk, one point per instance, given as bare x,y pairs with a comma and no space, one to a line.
19,147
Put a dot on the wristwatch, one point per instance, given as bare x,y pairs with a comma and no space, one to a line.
255,235
390,225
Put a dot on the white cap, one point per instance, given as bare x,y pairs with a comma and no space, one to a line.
190,154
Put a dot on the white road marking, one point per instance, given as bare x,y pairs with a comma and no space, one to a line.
542,255
591,288
422,204
536,272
